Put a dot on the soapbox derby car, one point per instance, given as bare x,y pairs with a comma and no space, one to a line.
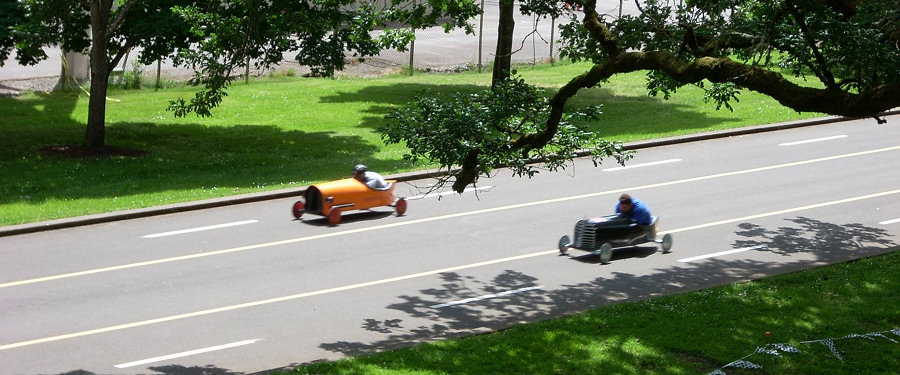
329,199
601,235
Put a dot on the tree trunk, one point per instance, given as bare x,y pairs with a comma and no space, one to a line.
505,28
95,133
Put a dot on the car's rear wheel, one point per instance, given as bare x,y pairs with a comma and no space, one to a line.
667,243
298,209
400,206
334,216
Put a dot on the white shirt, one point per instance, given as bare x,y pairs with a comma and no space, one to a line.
375,180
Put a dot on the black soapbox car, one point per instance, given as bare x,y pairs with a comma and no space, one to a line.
600,235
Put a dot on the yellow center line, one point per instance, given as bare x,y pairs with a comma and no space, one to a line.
435,218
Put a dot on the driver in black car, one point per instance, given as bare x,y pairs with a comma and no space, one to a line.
634,209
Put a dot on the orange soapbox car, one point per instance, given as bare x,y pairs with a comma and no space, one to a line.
329,199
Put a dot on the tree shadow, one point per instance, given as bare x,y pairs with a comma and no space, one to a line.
193,370
173,370
645,115
385,99
179,157
825,242
828,241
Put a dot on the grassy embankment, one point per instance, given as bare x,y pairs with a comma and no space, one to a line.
279,133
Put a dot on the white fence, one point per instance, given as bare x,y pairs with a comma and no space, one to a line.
535,41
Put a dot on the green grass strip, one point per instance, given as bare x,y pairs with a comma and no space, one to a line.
283,132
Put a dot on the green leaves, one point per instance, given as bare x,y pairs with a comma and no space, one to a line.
488,126
318,34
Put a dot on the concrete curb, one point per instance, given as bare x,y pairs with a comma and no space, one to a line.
296,192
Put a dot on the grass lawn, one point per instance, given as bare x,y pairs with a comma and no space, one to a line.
291,132
692,333
280,133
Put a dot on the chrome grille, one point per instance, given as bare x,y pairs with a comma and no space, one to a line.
585,235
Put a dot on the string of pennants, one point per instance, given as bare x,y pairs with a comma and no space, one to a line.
778,348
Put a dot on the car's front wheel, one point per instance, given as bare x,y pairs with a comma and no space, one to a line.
298,209
564,244
334,216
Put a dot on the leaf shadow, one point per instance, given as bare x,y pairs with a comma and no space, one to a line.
643,115
565,347
179,156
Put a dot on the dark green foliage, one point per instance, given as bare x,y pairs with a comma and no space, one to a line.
848,46
486,125
318,34
215,38
11,14
851,48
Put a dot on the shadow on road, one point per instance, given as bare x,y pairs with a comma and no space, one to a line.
826,242
173,370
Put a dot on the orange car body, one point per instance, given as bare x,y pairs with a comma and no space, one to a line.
330,198
346,194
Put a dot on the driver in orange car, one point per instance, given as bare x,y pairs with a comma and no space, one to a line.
373,180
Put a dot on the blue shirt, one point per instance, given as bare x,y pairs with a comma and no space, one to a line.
639,212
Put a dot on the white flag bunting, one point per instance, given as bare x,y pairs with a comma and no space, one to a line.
778,348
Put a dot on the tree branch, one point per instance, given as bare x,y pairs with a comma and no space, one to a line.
820,67
121,13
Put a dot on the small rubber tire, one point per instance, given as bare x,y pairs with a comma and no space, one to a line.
564,244
605,253
334,216
400,206
666,243
298,209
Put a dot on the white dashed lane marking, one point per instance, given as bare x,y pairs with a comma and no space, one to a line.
813,140
642,165
187,353
200,229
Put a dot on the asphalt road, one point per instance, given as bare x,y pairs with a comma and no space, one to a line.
246,288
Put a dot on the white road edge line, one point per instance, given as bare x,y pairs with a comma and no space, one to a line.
813,140
721,253
642,165
466,190
886,222
449,216
486,296
200,229
187,353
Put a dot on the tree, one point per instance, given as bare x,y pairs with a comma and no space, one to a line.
503,56
478,128
213,37
10,15
506,27
851,48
